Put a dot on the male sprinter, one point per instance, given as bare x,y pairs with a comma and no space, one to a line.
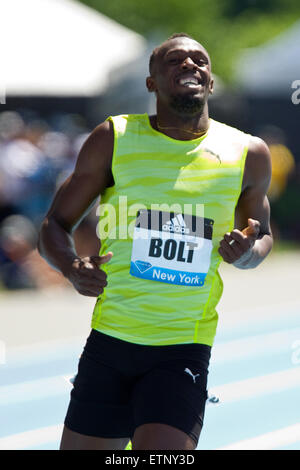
143,372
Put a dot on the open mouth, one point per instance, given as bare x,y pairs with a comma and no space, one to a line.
189,81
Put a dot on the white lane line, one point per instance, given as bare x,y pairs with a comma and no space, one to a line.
29,439
45,351
277,342
34,389
271,440
255,386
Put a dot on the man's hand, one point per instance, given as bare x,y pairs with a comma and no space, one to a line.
237,244
86,276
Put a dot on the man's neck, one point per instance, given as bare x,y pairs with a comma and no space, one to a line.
181,127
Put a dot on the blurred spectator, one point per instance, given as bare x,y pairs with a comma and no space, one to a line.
35,156
22,166
17,239
11,125
284,190
283,162
21,265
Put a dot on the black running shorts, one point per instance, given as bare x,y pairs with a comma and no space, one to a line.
120,386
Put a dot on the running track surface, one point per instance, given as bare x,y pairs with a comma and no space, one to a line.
254,369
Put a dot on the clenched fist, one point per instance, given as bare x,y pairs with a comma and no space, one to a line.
237,244
86,276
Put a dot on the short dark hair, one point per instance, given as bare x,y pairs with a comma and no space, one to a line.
156,50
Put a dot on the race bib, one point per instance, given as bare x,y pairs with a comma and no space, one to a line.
172,248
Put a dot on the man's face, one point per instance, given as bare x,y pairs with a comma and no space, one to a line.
181,76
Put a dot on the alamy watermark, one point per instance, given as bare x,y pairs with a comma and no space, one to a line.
119,221
296,94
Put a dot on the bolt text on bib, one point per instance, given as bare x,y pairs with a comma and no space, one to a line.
171,249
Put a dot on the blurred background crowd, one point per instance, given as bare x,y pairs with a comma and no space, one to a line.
36,156
43,129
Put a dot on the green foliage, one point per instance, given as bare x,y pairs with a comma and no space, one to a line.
224,27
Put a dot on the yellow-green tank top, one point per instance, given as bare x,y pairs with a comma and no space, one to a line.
164,218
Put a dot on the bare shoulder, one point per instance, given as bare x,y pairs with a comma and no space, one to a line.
258,167
96,152
103,132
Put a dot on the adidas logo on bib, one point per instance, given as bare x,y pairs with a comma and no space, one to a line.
176,225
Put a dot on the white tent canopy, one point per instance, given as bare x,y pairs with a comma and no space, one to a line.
61,48
272,68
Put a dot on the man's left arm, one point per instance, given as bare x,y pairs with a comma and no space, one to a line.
251,240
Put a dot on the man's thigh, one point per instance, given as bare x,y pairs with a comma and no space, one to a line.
74,441
156,436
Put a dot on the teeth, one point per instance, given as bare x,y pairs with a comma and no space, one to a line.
188,81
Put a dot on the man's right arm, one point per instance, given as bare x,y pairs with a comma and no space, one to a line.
92,174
